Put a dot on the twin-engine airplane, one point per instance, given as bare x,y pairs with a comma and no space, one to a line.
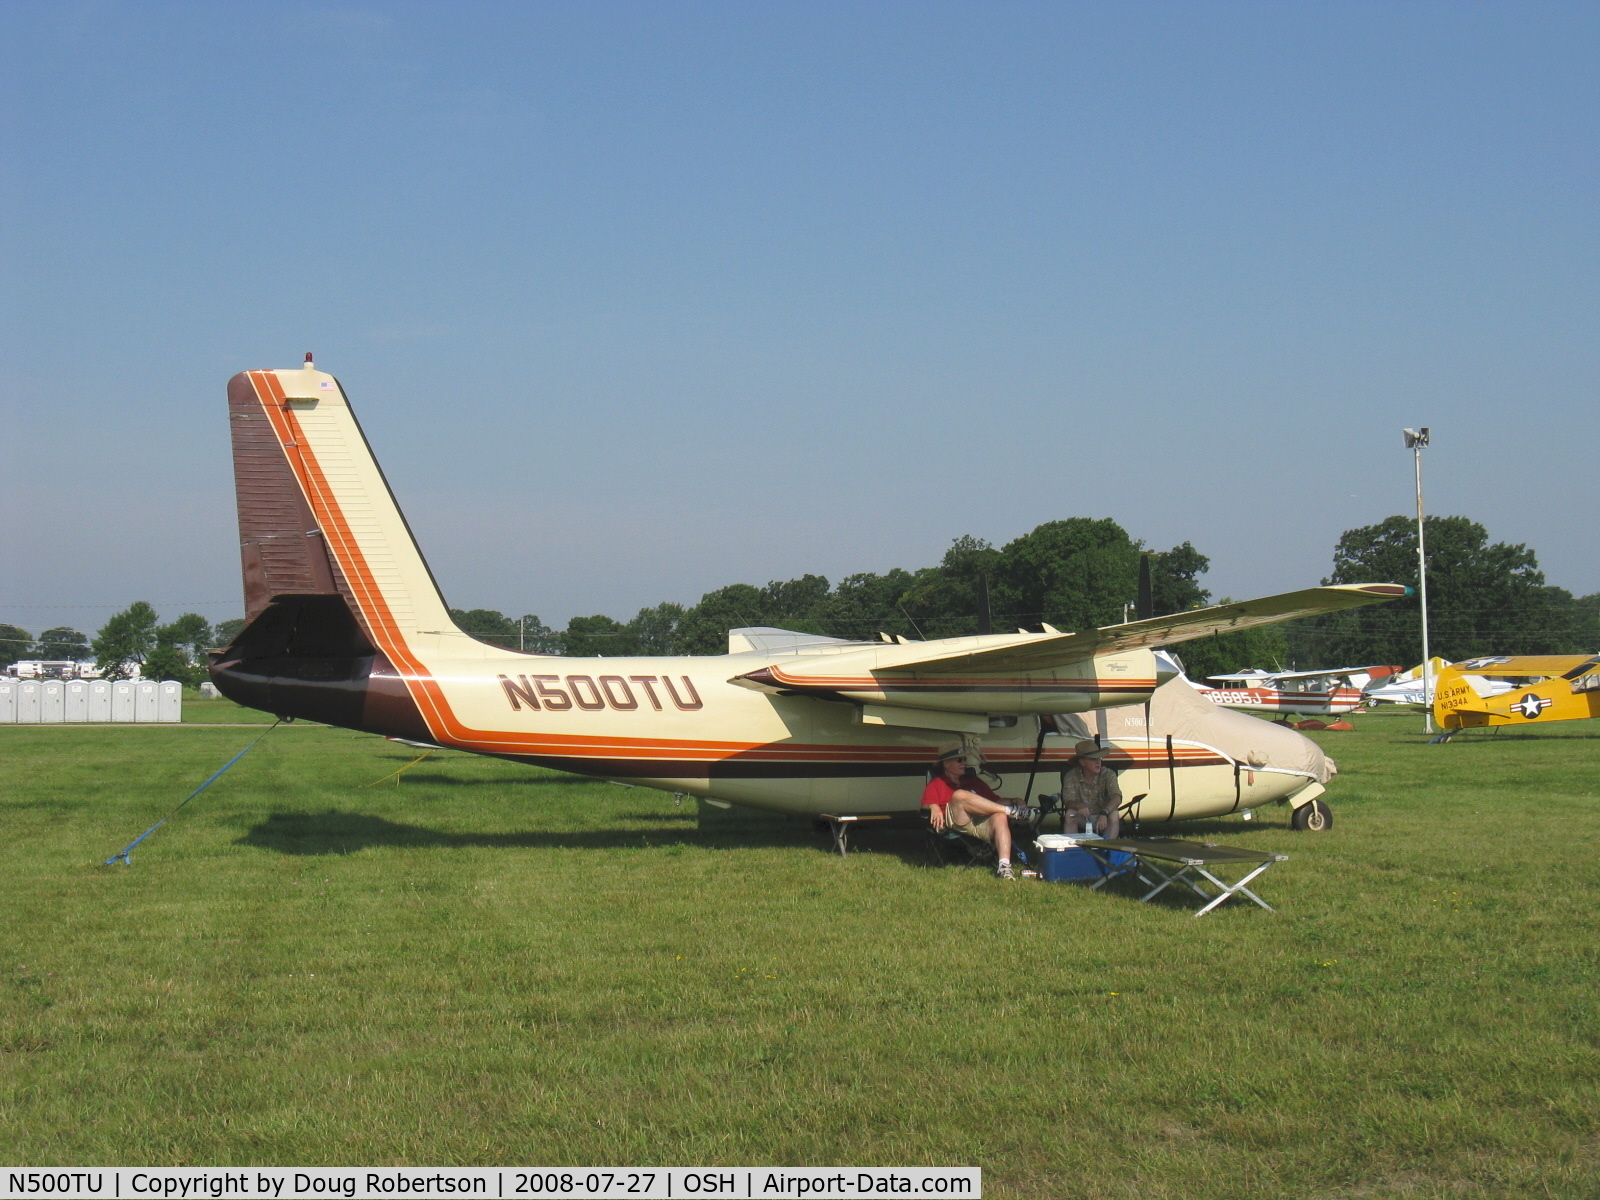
346,625
1563,687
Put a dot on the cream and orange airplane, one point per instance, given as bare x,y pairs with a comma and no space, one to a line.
345,624
1563,687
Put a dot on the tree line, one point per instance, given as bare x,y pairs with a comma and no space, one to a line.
1483,598
1080,573
133,637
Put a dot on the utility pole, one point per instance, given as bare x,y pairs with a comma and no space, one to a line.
1416,441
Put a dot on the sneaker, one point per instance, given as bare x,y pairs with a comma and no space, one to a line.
1003,871
1024,814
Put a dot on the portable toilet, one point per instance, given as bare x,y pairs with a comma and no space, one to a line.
99,700
27,703
8,702
75,707
145,701
169,702
122,700
52,698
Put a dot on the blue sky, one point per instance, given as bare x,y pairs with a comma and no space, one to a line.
639,300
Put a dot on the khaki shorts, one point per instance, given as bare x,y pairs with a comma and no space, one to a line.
983,830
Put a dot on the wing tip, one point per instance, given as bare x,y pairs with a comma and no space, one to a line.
1381,589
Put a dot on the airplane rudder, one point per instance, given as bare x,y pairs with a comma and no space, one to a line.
1451,694
280,545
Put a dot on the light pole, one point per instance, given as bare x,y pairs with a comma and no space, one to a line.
1416,440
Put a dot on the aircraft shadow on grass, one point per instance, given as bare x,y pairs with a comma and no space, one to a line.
335,832
339,833
411,778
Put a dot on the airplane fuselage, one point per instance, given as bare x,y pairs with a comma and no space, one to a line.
679,723
1283,702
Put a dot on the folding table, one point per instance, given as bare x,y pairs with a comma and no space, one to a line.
839,827
1173,861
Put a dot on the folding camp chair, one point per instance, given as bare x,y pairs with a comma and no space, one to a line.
952,849
1050,805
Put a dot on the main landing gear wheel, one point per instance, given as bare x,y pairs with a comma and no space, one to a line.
1314,817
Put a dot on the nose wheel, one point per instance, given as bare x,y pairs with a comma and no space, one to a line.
1313,817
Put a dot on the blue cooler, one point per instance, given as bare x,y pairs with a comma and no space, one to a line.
1061,865
1060,861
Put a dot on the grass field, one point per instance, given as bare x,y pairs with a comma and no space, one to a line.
479,963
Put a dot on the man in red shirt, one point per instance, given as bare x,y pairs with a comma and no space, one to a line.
958,798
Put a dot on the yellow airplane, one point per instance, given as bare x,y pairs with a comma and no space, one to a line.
344,624
1565,687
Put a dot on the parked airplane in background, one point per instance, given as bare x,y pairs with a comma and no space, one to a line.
1407,687
1292,693
1547,687
345,624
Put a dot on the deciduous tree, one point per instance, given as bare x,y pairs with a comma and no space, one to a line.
1265,646
180,650
1483,598
862,606
704,628
956,598
490,625
598,636
126,640
62,642
1074,574
487,625
1175,579
15,643
223,632
655,630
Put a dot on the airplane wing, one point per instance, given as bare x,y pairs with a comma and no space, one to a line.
1042,651
1544,666
1337,672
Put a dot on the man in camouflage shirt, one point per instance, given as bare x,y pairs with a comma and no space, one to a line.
1090,797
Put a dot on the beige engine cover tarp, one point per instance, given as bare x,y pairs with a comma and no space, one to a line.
1178,711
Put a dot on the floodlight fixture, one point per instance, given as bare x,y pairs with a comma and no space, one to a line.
1415,438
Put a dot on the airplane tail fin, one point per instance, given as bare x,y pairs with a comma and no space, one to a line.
337,595
316,516
1456,703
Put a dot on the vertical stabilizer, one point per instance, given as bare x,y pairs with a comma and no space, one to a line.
316,516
